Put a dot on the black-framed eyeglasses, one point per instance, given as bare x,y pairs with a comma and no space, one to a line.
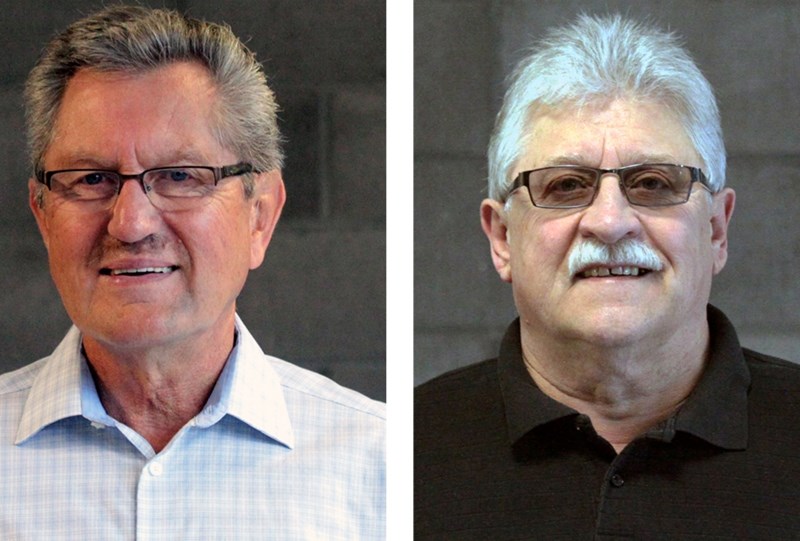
168,188
644,185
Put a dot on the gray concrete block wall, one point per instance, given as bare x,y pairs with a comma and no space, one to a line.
319,298
463,51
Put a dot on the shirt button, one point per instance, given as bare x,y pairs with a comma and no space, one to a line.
617,480
155,469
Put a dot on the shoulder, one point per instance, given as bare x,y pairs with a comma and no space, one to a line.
312,390
475,379
330,419
456,406
774,383
773,405
768,368
774,396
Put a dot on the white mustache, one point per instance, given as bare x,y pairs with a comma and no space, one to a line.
625,253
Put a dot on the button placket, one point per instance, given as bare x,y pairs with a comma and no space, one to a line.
614,475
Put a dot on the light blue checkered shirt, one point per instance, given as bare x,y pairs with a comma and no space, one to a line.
278,453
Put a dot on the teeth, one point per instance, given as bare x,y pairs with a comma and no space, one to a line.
614,271
146,270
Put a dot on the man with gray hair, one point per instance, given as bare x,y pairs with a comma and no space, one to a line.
621,404
158,416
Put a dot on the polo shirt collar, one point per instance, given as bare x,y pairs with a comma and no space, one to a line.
716,411
248,389
527,407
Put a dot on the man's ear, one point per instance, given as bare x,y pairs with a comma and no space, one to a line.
722,210
268,199
493,221
36,203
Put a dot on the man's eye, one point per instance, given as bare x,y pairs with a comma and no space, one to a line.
94,179
650,182
567,184
178,175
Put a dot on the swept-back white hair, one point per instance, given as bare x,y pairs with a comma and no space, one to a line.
594,61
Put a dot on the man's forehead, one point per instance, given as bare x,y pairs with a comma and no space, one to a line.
625,132
175,88
113,120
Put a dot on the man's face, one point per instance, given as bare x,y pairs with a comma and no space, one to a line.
130,123
531,246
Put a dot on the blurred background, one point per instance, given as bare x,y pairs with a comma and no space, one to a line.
463,50
319,298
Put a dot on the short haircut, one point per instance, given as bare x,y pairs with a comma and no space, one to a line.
134,39
593,61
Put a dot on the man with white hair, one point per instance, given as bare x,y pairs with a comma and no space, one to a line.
621,404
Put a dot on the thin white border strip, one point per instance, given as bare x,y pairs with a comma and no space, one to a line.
399,267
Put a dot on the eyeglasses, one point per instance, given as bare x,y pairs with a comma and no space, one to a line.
644,185
167,188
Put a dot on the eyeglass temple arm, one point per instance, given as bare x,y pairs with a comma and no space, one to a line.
235,170
701,178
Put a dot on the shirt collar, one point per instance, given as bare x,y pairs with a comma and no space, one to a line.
248,389
56,390
716,411
527,407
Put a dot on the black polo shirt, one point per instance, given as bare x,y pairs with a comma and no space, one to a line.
496,459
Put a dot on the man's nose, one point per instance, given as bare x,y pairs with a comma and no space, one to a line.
133,216
610,217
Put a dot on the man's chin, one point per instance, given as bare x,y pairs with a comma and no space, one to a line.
615,325
129,332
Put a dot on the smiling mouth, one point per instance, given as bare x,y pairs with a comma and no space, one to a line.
138,272
601,272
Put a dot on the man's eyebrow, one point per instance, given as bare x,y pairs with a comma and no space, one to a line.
186,156
630,159
567,159
80,160
85,160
